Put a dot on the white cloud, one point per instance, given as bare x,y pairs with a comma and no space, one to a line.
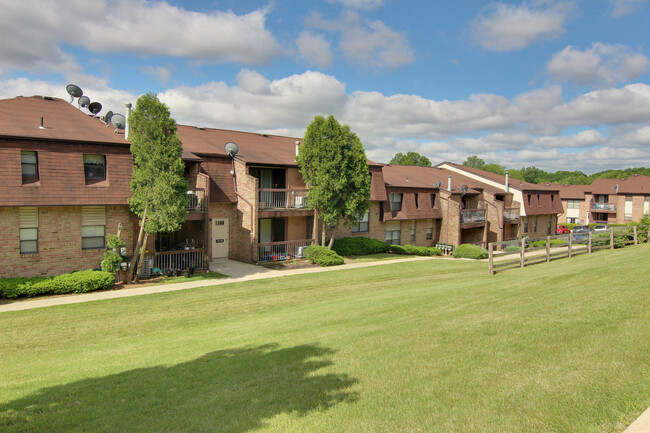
367,43
160,73
315,50
600,64
505,27
624,7
33,33
358,4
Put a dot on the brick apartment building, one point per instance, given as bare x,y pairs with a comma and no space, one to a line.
65,186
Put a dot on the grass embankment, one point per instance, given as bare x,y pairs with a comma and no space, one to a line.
428,346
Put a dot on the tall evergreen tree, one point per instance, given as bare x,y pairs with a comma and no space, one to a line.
333,163
158,187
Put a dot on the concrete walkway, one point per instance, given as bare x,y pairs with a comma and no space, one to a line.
236,271
641,425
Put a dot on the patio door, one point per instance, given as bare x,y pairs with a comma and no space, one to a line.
220,237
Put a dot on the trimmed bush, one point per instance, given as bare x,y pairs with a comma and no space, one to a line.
77,282
512,249
360,246
322,256
422,251
469,251
397,249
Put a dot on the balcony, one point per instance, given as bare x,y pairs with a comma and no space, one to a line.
279,251
511,215
274,198
472,218
175,260
603,207
197,201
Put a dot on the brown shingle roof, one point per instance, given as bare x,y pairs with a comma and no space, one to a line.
635,184
21,118
408,176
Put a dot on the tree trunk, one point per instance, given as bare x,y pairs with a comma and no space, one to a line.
332,238
322,238
129,275
141,259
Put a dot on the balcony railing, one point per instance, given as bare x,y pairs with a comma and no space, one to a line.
278,251
472,216
603,207
511,214
273,198
197,201
182,259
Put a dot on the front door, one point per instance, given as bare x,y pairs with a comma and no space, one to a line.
220,234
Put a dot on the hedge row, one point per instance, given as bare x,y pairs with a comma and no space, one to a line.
542,242
359,246
469,251
415,250
322,256
77,282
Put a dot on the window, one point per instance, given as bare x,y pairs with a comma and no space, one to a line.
416,201
572,220
534,224
528,199
393,232
28,230
395,201
548,229
29,166
539,202
573,204
95,167
429,233
628,208
361,225
433,199
526,225
413,231
93,227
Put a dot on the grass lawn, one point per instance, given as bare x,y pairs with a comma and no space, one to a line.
196,277
375,257
418,346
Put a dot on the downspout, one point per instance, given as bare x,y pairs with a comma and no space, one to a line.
127,127
234,182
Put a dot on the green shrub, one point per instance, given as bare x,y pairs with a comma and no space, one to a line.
620,241
422,251
112,258
397,249
359,246
538,243
512,249
542,242
322,256
77,282
469,251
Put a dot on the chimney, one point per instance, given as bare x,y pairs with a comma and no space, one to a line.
449,182
507,179
297,147
128,114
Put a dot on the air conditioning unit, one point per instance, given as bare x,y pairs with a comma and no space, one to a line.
300,251
145,269
301,201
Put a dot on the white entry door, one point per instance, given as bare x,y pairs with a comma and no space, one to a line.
220,235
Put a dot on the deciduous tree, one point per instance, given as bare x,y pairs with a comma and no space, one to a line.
411,158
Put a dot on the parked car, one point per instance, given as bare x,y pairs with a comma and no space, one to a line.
601,228
562,230
581,233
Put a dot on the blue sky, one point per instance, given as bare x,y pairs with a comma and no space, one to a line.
559,84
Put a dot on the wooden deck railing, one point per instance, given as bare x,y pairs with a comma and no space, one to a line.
278,251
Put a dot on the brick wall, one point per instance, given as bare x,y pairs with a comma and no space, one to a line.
239,238
59,241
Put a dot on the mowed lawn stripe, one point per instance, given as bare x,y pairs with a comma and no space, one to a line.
416,346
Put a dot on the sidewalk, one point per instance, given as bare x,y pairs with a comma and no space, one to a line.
236,271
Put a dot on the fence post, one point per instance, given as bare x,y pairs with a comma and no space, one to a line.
523,247
570,244
636,237
589,244
611,238
548,249
491,251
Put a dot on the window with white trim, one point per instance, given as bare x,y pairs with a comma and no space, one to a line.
628,208
28,230
93,227
395,200
393,232
573,204
361,225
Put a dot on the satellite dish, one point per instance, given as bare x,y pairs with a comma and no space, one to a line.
232,149
107,118
95,107
463,189
74,91
83,101
437,184
118,121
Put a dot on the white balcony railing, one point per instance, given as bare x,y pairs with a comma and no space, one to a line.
278,251
197,201
472,216
603,207
274,198
181,259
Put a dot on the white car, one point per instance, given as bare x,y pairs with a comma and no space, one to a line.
601,228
